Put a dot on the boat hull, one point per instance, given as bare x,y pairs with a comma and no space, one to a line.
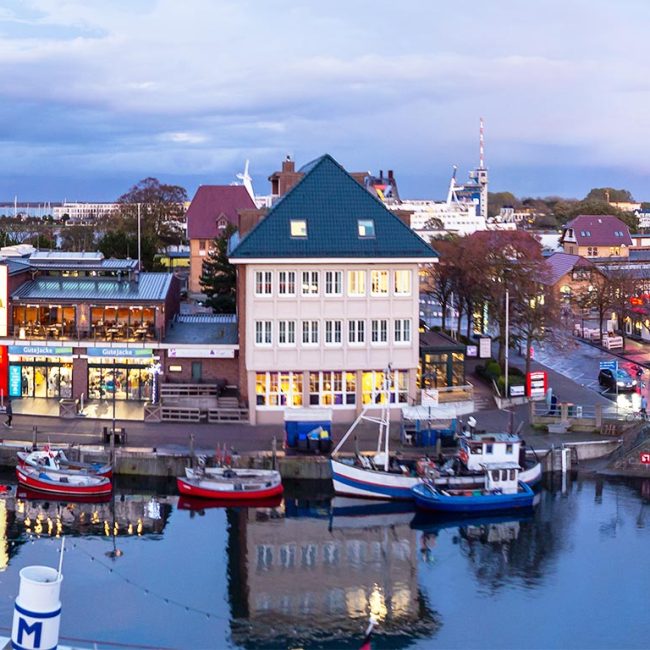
427,498
349,480
212,490
30,478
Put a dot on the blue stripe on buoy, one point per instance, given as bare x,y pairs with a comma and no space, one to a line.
26,612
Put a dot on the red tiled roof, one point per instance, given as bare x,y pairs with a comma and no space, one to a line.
209,203
599,230
559,264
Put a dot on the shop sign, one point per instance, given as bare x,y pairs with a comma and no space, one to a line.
122,353
15,382
485,347
517,391
645,458
203,352
40,351
471,351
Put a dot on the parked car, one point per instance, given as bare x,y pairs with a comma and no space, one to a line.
622,381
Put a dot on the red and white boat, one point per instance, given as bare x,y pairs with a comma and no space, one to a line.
55,460
58,483
231,484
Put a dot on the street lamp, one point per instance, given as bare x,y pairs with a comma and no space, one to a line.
507,339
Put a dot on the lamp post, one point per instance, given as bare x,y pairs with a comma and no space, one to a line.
113,432
507,339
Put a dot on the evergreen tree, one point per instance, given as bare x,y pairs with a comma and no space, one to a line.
219,277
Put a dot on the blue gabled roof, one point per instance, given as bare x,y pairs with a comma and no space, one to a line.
331,202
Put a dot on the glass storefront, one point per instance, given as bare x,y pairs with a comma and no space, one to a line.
40,377
127,379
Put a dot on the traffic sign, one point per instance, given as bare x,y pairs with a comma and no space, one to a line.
644,458
609,365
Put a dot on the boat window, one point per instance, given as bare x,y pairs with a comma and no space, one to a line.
476,450
504,474
508,449
512,474
489,449
495,474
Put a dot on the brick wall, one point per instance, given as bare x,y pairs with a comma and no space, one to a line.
211,371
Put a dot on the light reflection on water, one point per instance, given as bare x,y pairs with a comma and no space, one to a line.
307,574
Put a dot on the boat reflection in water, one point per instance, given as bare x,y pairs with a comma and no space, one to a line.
318,576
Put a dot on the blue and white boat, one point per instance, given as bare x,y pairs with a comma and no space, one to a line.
503,491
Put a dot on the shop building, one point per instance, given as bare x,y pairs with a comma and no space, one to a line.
327,292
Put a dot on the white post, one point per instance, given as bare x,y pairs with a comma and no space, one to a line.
139,262
37,612
507,339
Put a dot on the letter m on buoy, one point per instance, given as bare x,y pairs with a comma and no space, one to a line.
35,628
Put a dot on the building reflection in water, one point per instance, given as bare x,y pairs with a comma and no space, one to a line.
322,576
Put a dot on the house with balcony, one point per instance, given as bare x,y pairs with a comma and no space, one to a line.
328,299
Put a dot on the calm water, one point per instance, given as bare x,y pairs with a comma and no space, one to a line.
575,574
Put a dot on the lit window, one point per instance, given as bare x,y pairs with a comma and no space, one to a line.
403,283
278,389
374,392
332,388
366,228
298,228
379,283
356,283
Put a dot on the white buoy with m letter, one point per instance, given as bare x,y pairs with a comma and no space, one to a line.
37,611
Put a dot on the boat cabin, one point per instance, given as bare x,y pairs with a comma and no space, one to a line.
477,449
501,477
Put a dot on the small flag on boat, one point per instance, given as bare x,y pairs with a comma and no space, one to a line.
366,641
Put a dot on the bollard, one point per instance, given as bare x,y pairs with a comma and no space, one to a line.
37,613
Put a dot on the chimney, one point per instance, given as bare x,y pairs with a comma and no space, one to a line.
390,174
288,165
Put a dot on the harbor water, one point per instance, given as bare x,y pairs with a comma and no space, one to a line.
150,570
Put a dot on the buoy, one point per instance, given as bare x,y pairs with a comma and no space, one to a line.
37,611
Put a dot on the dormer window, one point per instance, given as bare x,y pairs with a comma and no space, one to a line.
585,233
221,224
298,228
366,228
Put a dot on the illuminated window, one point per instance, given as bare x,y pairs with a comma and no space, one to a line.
278,389
287,283
373,391
356,283
298,228
403,283
263,283
332,388
366,228
379,283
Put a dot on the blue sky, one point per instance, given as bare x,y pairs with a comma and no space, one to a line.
96,95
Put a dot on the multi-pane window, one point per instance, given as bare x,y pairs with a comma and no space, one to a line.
332,388
263,283
403,330
287,283
403,283
333,332
375,391
287,332
333,282
310,283
263,329
379,331
379,283
278,389
356,331
356,283
310,332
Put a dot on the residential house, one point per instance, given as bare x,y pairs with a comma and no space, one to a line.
596,236
569,276
328,299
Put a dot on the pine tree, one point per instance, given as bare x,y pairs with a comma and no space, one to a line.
219,277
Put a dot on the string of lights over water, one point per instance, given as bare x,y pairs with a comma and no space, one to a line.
150,570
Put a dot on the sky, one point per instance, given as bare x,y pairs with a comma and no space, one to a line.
96,95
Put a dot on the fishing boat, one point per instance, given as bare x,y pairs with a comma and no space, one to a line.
502,491
373,477
229,483
56,461
64,484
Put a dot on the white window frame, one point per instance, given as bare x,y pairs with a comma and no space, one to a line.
356,287
403,331
333,333
286,284
333,283
338,386
287,331
292,397
377,275
263,333
309,329
379,331
263,280
310,282
356,332
300,225
397,394
401,273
